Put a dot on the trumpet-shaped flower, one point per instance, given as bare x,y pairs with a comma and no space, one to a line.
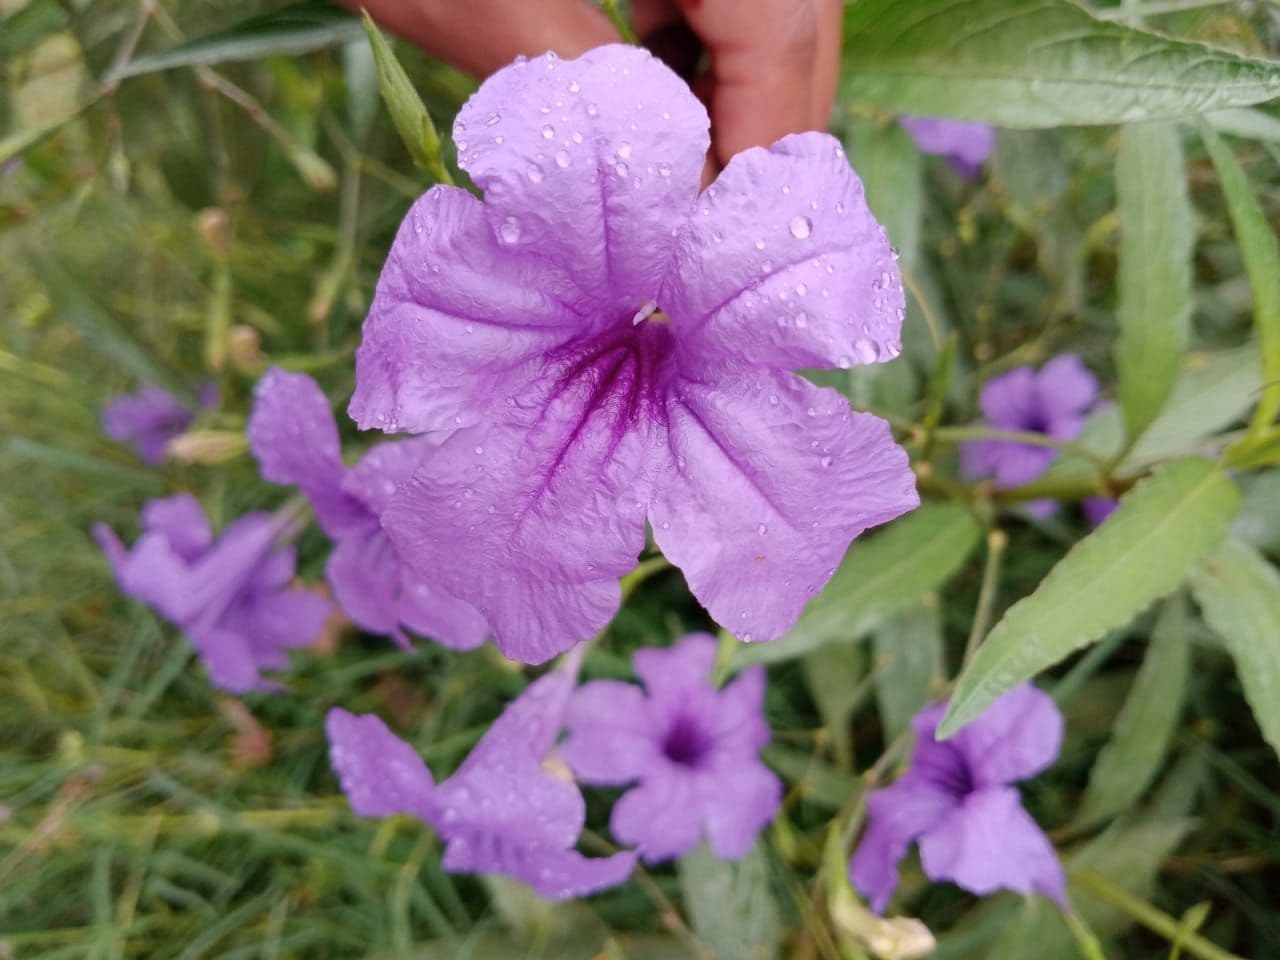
962,144
149,419
501,812
293,435
231,597
613,347
956,799
692,752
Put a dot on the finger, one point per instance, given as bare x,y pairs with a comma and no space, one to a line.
484,35
826,63
762,67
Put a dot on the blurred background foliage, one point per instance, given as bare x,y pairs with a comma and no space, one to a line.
177,218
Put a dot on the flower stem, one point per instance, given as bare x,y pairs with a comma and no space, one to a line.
620,23
997,541
1150,917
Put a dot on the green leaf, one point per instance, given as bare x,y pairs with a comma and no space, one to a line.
408,113
1261,255
880,577
1157,237
892,171
1246,122
908,665
834,674
1036,63
21,30
730,905
1163,527
818,782
1143,731
1239,592
291,31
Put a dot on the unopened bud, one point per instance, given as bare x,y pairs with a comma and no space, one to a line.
207,446
244,345
887,938
214,227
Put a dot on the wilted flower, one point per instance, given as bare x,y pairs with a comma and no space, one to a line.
956,800
963,144
149,419
613,347
231,597
501,812
1052,401
293,435
692,752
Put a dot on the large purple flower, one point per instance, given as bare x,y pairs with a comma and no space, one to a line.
1052,401
963,144
692,751
956,799
149,419
614,347
501,812
231,597
294,437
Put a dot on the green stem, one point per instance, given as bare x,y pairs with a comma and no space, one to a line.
620,23
1150,917
997,541
1090,949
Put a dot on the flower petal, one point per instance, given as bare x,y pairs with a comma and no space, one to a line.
228,659
534,516
277,621
380,773
738,801
786,266
965,144
611,741
364,574
1017,737
896,816
182,521
380,472
588,163
553,872
661,817
1009,401
739,713
458,320
669,674
989,842
1065,386
294,437
430,611
769,479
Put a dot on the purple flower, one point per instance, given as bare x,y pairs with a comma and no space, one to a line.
293,435
692,751
1052,402
149,419
1097,509
501,812
965,145
231,597
956,800
613,347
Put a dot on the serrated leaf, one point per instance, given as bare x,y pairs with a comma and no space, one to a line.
1036,63
1261,255
1161,530
1144,729
1239,592
880,577
731,906
293,30
908,663
1156,239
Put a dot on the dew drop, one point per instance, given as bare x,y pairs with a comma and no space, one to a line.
621,169
574,86
801,289
717,237
802,320
759,244
762,529
492,120
462,146
624,150
826,461
548,131
592,110
839,206
773,399
562,158
577,137
510,230
535,173
479,451
664,169
801,227
812,412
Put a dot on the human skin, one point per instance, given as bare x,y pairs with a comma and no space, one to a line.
770,70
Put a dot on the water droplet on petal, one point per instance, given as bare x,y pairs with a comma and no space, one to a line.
492,120
762,529
801,227
801,289
621,169
592,110
479,451
773,399
574,86
664,169
759,244
535,173
624,150
510,230
562,158
548,131
812,412
826,461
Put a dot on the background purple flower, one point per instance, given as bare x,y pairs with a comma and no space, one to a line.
613,347
231,597
149,419
956,800
1052,401
1097,509
965,145
501,812
692,752
293,434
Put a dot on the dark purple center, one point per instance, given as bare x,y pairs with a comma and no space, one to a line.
949,770
686,743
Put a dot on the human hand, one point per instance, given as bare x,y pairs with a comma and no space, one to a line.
771,69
